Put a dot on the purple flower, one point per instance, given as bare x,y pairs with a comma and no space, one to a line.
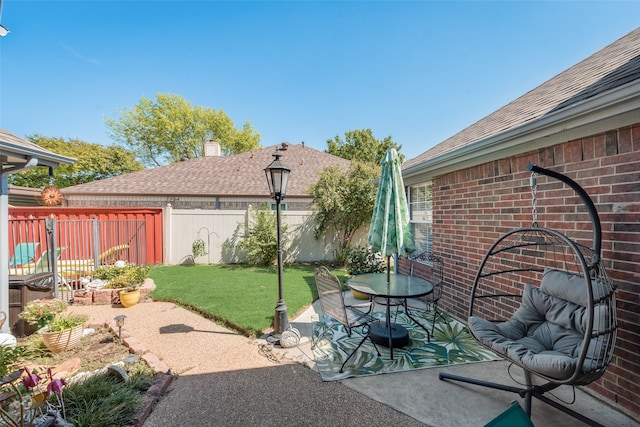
31,380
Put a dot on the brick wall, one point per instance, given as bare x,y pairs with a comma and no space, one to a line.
475,206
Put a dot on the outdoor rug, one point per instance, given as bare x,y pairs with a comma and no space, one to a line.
451,344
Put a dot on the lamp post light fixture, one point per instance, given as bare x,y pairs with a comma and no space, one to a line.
120,323
277,178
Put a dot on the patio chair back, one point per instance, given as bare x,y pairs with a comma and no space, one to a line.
330,295
435,275
352,317
24,253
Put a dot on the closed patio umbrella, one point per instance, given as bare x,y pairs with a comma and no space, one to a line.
390,232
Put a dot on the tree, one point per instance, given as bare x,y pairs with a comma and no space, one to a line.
260,236
344,201
93,162
169,128
361,145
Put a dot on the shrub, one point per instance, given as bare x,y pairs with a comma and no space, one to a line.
260,240
361,260
130,276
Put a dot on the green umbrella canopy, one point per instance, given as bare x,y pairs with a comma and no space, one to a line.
390,231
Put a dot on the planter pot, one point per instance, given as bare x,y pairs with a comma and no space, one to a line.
58,342
359,295
127,299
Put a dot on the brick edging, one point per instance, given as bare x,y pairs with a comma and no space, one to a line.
163,373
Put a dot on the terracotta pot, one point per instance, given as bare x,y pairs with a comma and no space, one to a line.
58,342
129,298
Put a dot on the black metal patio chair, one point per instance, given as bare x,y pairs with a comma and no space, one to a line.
354,318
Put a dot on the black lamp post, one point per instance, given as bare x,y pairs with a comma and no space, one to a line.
277,177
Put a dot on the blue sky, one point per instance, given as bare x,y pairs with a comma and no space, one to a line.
419,71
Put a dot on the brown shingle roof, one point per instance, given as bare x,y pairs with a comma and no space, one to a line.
609,68
237,175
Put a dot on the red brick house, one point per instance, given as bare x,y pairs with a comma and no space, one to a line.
470,189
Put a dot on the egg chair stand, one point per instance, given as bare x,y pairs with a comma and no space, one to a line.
546,304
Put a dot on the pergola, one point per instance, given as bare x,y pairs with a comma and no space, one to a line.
17,155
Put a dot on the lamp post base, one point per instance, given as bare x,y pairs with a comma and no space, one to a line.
281,319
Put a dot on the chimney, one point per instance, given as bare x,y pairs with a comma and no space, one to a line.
211,148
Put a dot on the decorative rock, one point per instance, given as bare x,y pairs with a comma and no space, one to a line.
67,369
8,340
117,372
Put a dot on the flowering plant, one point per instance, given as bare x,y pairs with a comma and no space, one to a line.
31,398
42,311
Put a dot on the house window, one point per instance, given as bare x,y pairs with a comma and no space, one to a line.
420,210
283,206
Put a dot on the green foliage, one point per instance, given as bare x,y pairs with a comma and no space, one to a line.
260,238
344,202
41,311
361,145
63,322
130,276
169,128
198,248
10,357
102,400
93,162
362,260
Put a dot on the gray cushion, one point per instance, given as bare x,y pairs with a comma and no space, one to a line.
546,332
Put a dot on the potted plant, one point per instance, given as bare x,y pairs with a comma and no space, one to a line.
63,332
360,261
41,312
126,277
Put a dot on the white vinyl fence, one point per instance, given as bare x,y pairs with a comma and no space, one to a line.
221,231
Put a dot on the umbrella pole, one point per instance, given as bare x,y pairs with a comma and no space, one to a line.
389,305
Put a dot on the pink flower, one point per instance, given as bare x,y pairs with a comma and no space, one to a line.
31,380
55,385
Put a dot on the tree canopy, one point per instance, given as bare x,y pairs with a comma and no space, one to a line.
361,145
170,128
344,201
93,161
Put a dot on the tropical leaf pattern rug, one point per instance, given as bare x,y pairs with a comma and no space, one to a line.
451,344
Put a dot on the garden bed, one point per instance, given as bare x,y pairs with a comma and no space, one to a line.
110,296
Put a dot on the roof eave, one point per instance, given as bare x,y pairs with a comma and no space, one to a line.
44,158
615,108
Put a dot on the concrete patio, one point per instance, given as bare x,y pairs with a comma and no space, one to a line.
222,378
423,396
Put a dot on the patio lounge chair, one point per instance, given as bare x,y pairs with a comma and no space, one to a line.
72,269
40,266
24,253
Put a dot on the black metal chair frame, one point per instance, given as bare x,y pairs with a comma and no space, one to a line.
519,257
431,300
333,305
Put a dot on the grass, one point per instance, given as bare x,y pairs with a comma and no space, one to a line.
104,401
243,298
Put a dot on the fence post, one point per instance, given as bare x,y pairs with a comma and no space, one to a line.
96,243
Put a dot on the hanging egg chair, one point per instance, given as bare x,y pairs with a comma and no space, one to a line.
546,304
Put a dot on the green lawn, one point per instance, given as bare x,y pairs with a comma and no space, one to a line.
241,297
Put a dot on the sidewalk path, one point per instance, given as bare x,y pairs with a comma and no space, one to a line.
223,379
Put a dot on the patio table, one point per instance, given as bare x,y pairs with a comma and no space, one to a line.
390,335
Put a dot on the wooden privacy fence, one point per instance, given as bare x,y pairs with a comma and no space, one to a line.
73,248
147,250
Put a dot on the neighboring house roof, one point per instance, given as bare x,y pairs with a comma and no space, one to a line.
604,85
238,175
25,196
